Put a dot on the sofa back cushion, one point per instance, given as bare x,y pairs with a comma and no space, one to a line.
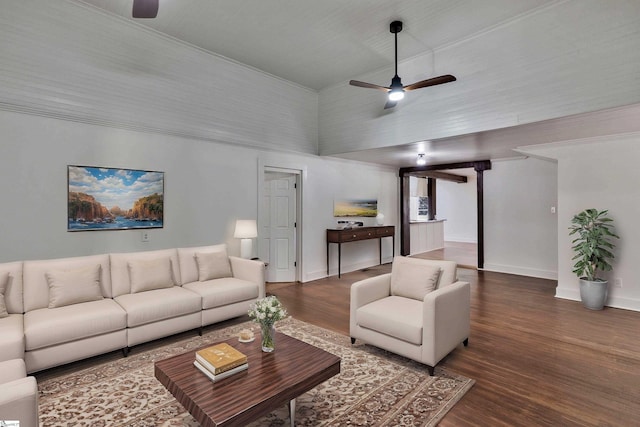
36,286
147,275
188,263
13,289
412,278
213,265
74,286
120,271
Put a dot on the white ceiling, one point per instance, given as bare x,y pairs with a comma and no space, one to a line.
321,44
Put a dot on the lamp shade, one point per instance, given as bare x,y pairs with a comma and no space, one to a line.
246,229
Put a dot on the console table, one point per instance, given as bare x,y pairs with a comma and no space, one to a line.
357,234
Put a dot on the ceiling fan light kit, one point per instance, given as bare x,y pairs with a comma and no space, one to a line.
396,90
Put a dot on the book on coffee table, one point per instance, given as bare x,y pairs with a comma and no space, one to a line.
220,358
225,374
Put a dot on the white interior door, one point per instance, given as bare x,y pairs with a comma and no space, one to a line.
279,226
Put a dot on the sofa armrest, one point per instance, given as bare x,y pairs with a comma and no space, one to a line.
19,401
446,320
250,270
11,370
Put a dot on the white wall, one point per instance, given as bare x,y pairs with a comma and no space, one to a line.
519,229
207,187
600,173
456,202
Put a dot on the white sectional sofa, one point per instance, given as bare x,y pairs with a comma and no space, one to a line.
63,310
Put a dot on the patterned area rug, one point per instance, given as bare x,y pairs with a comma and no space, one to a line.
374,387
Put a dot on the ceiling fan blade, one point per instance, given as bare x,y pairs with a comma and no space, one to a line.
390,104
368,85
145,8
447,78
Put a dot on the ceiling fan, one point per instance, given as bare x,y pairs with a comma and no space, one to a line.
145,8
396,90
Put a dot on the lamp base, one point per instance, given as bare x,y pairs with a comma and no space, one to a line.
246,248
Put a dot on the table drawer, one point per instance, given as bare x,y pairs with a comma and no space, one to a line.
385,231
353,235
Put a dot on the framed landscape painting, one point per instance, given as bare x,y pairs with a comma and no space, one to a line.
355,207
114,199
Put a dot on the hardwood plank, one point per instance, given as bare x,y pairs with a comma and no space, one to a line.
536,359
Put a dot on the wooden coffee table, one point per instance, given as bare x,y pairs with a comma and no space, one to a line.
272,380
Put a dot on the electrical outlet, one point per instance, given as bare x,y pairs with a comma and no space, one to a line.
553,209
617,283
144,235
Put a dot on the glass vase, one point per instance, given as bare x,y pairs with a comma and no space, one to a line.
268,338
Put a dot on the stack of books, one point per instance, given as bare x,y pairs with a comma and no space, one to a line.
220,361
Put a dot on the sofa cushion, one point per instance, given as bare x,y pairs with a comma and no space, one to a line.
213,265
394,316
120,274
160,304
219,292
36,287
51,326
74,286
13,298
12,337
412,278
150,274
4,284
188,263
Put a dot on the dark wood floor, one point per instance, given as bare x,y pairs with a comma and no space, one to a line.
536,359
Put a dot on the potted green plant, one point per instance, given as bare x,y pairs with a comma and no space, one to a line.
593,247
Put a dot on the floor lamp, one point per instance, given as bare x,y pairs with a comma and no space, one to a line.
247,230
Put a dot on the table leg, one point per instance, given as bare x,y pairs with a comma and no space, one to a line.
339,258
380,249
292,412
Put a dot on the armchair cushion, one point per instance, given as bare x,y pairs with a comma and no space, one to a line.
395,316
411,278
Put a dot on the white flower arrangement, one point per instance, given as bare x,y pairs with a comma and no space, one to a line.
267,311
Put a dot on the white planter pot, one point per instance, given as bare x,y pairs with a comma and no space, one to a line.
593,294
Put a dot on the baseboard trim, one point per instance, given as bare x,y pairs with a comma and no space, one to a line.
613,300
521,271
345,268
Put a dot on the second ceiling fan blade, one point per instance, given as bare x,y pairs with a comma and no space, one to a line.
368,85
447,78
145,8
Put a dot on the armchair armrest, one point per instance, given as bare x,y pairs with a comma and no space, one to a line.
19,401
250,270
369,290
366,291
446,320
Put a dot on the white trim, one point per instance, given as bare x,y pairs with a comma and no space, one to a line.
346,268
612,301
521,271
300,171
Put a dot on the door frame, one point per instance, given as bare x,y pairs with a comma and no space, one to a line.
300,174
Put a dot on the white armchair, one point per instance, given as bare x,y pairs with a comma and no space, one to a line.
18,394
419,310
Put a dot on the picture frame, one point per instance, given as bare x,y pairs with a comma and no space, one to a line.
355,208
104,198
